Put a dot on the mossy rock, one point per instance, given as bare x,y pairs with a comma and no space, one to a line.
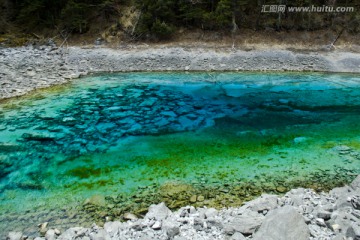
177,204
96,200
176,190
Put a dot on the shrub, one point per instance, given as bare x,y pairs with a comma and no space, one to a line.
161,30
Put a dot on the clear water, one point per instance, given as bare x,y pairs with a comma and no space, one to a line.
115,134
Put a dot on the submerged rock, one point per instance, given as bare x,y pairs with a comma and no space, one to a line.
38,137
9,147
281,189
300,139
97,200
185,122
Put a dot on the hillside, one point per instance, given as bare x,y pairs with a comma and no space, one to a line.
114,21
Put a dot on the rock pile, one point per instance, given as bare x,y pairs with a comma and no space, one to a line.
27,68
299,214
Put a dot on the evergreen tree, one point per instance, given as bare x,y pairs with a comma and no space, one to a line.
160,18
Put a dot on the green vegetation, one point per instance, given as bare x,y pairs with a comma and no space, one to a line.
85,172
159,19
72,15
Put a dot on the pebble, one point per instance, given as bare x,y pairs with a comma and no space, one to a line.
57,231
281,189
157,225
320,222
43,228
193,199
200,198
336,228
324,215
130,216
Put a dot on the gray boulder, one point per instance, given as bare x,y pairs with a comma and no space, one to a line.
158,212
342,195
74,233
112,228
101,234
14,236
353,232
171,227
283,224
244,224
295,197
264,202
339,237
355,202
324,215
356,183
237,236
50,235
216,223
157,225
211,212
172,232
342,220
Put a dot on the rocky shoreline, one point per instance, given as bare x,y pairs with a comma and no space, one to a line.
299,214
28,68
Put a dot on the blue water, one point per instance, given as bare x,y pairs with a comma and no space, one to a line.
114,134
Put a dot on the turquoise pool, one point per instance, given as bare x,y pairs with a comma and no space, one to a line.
137,134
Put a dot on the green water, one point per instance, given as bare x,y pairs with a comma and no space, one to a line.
119,134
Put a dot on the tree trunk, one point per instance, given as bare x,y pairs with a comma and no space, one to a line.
235,26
